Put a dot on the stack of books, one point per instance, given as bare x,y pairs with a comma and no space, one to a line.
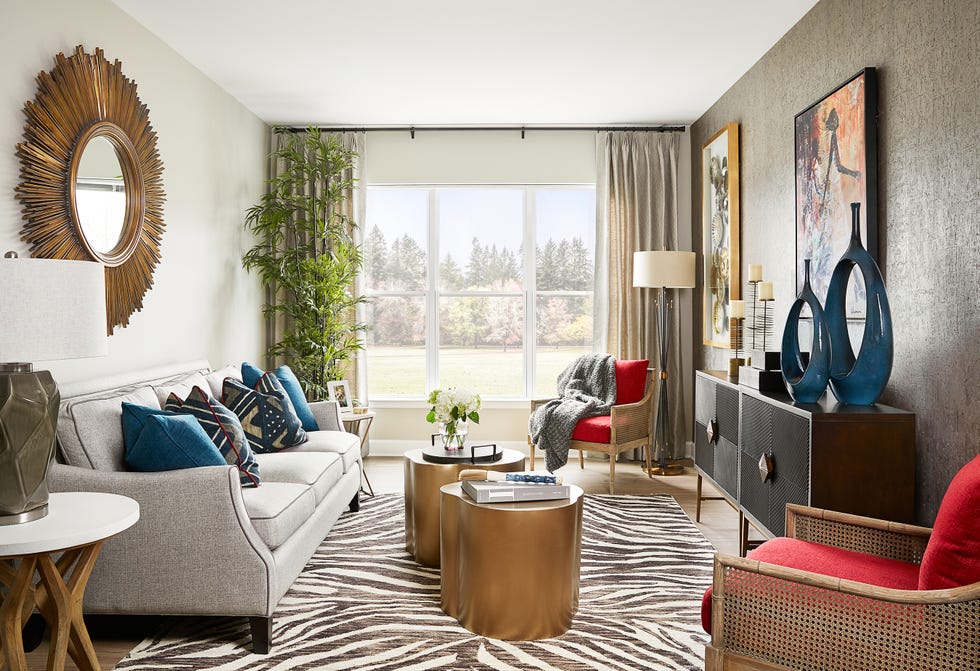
489,491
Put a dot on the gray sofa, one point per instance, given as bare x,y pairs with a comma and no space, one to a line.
203,544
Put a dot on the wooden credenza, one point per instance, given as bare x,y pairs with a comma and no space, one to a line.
855,459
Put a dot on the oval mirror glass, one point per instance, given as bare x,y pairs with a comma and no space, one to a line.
100,195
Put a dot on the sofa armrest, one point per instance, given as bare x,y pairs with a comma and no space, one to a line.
892,540
190,548
779,617
327,415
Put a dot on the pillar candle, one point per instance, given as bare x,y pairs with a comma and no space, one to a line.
755,272
737,310
765,291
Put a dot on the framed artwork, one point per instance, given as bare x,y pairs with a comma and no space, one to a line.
836,165
719,220
340,392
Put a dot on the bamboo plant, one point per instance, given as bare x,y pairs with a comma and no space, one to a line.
307,258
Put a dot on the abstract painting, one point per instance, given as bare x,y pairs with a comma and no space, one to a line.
719,207
836,165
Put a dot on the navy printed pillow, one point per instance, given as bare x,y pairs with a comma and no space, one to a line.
269,424
224,430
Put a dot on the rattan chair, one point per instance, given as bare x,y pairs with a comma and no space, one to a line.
629,428
765,616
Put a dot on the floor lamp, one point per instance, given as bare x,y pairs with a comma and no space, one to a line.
49,309
664,270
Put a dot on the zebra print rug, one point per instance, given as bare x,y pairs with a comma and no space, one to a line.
363,603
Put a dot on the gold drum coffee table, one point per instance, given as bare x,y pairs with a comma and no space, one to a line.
511,570
422,482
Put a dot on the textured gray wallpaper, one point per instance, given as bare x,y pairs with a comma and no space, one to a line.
928,58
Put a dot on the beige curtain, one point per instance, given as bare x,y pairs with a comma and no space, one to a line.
352,206
636,202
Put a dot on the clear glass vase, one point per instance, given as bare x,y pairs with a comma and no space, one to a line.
453,434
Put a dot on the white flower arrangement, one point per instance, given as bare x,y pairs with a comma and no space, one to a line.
453,405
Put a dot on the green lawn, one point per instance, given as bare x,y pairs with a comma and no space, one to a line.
489,371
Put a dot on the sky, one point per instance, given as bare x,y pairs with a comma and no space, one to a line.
493,215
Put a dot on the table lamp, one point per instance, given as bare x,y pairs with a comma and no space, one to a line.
50,309
664,270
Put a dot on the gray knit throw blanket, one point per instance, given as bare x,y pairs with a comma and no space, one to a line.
586,388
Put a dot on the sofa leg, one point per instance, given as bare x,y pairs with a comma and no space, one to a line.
355,503
261,634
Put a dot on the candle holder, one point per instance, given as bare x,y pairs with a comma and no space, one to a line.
762,370
754,300
735,329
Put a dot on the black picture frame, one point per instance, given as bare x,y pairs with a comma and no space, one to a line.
835,164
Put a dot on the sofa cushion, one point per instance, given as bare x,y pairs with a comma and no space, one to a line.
278,509
90,428
830,561
268,424
346,445
216,378
224,430
168,442
319,470
292,387
179,386
631,380
593,429
952,557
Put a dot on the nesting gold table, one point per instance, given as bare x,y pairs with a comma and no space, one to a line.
422,482
510,571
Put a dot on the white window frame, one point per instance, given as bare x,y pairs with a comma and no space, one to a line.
432,294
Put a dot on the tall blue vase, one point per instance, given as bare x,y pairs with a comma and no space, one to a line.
806,384
860,380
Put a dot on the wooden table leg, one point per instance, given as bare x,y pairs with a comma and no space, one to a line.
59,598
20,591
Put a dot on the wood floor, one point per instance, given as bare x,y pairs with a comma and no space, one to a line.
115,636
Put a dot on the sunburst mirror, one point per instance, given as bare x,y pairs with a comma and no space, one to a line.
91,179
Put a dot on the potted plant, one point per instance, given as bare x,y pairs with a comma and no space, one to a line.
307,258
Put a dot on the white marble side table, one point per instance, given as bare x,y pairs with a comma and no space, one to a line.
75,527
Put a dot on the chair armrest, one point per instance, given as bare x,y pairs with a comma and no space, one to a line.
327,415
538,402
794,619
630,421
892,540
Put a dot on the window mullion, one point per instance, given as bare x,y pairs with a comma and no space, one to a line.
530,284
432,301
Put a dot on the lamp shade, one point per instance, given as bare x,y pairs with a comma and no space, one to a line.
663,269
51,309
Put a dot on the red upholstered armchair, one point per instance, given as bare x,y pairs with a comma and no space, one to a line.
845,592
627,427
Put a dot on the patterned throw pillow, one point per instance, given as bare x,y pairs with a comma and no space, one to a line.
223,428
269,425
290,384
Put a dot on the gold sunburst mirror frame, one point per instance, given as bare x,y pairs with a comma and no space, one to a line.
83,99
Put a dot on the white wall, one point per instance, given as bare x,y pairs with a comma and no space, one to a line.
202,304
495,157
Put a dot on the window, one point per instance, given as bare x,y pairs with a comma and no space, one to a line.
484,287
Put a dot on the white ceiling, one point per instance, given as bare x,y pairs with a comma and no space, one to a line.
373,62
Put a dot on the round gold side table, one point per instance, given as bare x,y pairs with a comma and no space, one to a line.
510,571
422,482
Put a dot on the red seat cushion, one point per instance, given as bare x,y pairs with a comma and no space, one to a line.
831,561
593,430
631,381
952,557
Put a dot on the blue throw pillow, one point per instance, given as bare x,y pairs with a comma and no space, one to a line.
169,442
268,425
224,430
134,420
294,391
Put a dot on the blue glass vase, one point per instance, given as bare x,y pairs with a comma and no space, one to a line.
859,380
806,384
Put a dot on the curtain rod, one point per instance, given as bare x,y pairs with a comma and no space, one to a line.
522,129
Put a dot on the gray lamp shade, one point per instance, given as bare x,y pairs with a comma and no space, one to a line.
663,269
49,309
